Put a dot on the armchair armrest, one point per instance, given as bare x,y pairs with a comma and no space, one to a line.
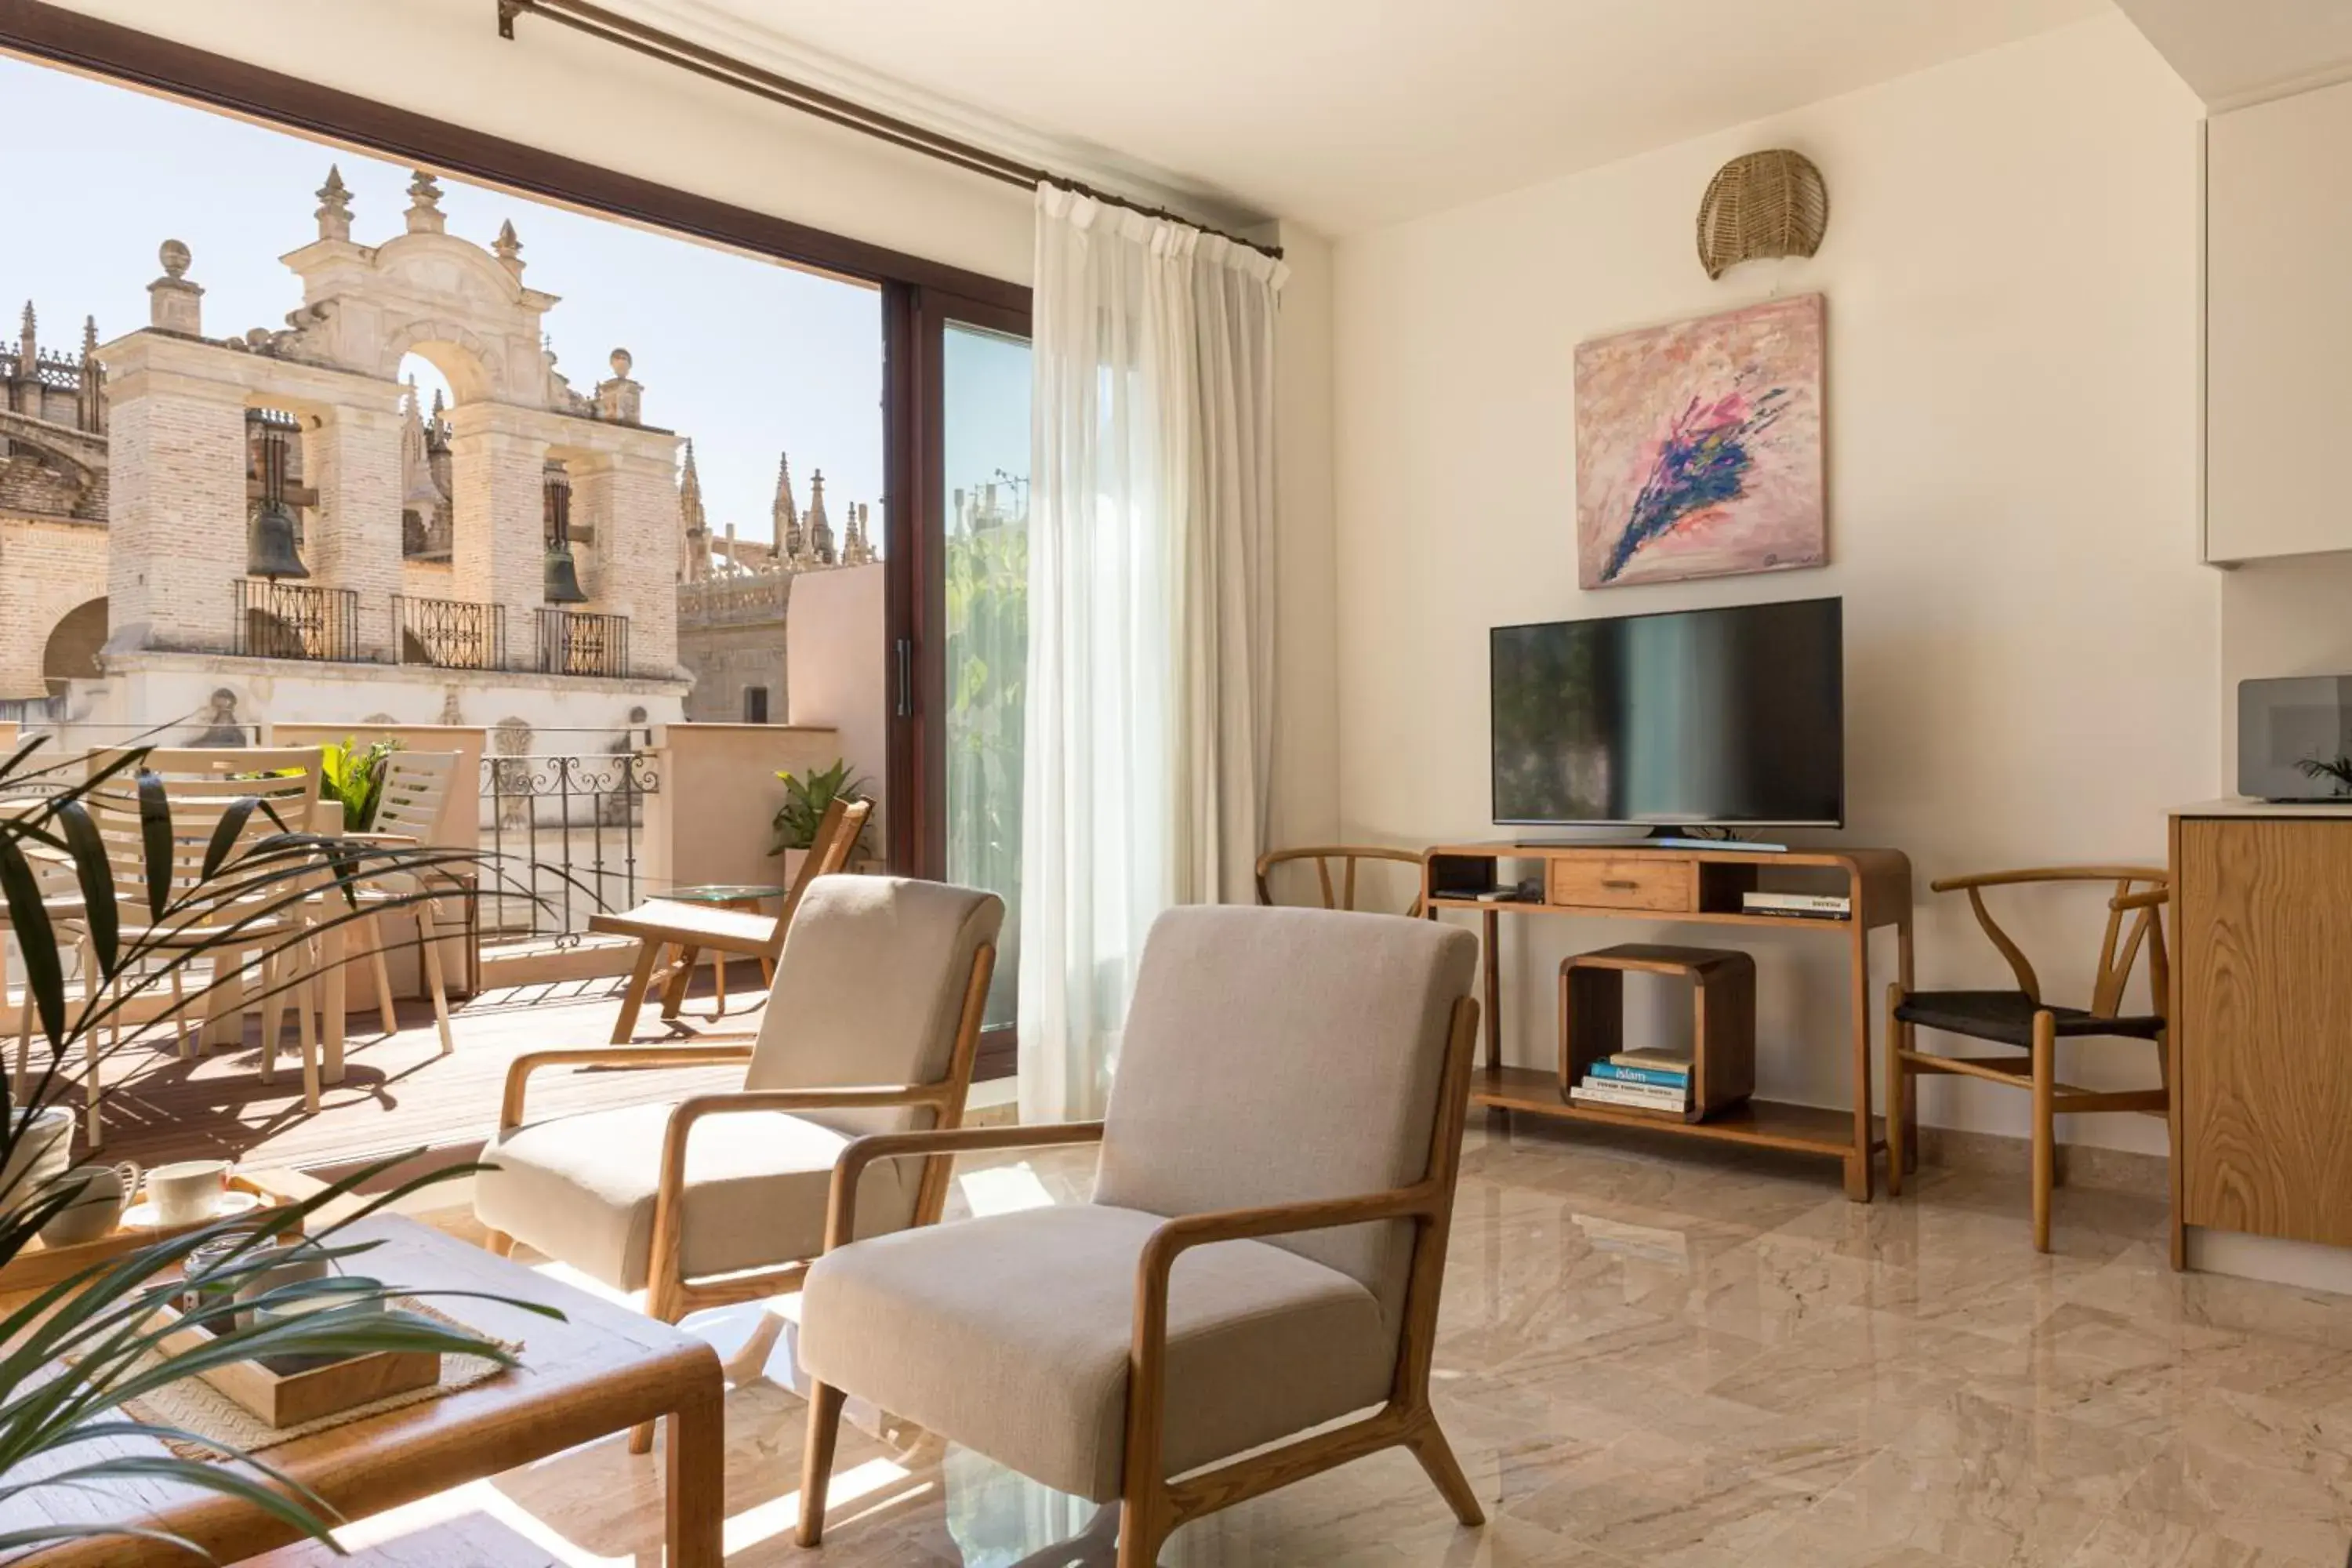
519,1070
849,1167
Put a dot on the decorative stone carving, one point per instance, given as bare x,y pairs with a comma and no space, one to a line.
508,249
334,213
620,399
175,304
425,214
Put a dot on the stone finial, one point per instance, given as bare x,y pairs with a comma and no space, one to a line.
425,214
175,304
509,250
89,336
334,212
620,399
29,342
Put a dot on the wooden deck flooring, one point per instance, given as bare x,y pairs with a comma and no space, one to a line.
399,1092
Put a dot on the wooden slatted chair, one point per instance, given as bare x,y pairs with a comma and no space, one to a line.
694,929
417,795
1348,855
2031,1027
201,786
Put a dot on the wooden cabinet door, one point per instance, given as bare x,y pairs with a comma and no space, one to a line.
2265,1022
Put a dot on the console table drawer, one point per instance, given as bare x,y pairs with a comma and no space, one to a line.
1632,883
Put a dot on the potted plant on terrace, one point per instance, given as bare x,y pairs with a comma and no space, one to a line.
806,797
75,1360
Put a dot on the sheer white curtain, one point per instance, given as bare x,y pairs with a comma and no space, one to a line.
1151,679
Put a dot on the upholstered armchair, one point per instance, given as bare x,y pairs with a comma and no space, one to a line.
870,1028
1262,1255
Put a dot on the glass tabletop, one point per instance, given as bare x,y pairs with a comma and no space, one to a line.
723,893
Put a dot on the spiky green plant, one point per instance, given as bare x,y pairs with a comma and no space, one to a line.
353,776
72,1359
806,803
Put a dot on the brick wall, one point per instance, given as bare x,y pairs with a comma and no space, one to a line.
354,459
177,465
47,569
632,570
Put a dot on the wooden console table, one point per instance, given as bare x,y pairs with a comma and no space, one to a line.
1631,881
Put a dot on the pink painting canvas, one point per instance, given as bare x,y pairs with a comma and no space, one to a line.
1699,447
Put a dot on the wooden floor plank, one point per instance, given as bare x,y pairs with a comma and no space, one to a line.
398,1092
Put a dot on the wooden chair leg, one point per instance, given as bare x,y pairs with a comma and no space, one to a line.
90,1064
1444,1471
306,1001
825,1404
273,1016
2045,1123
718,982
179,1014
674,994
387,1014
633,996
1142,1531
1899,1083
428,934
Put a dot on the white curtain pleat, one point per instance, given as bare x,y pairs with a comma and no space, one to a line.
1149,688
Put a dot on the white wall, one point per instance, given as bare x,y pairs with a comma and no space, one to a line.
2012,284
837,670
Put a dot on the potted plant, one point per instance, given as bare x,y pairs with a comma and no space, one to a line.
806,798
75,1360
354,775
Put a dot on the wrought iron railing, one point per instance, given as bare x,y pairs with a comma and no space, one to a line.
449,634
294,620
564,830
580,642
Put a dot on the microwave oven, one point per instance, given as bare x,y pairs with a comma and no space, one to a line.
2286,725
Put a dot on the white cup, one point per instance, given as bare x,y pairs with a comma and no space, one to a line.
188,1192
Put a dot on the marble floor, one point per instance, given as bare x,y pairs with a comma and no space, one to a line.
1656,1357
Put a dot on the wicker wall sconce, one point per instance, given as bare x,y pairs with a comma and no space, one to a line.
1761,205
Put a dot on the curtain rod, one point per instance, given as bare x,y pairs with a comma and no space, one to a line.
611,27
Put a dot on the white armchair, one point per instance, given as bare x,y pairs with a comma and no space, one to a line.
1262,1255
871,1028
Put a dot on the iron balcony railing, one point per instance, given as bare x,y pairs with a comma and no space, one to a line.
579,642
449,634
296,620
563,832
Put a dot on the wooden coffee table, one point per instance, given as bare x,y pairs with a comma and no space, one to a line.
603,1371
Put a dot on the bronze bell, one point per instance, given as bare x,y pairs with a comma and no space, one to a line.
271,548
563,586
562,578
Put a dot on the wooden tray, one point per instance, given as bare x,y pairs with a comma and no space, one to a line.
38,1265
287,1391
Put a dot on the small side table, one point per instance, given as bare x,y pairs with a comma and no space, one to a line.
745,896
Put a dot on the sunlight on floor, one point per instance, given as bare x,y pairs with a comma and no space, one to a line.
777,1515
1005,1189
475,1498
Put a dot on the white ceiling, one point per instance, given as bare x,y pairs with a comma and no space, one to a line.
2234,52
1347,114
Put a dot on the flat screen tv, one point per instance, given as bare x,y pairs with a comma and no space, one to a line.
1727,717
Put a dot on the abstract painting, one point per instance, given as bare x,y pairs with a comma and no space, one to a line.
1699,447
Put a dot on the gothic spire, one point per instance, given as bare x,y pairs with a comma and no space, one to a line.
27,342
425,214
820,531
785,515
689,492
89,336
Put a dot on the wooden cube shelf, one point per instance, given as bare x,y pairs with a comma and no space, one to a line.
1723,1017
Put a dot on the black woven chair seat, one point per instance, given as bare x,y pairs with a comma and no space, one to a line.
2007,1017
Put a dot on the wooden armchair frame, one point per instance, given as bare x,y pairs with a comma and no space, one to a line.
1152,1506
2035,1068
670,1295
1348,855
694,930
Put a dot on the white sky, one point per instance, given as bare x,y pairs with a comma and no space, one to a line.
745,356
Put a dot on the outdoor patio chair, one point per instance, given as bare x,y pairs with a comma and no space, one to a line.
696,928
415,796
872,1027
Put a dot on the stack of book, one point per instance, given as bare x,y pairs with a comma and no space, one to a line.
1638,1080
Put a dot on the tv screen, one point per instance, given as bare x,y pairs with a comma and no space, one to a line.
1729,716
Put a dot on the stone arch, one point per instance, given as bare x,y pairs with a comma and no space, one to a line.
74,643
472,365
